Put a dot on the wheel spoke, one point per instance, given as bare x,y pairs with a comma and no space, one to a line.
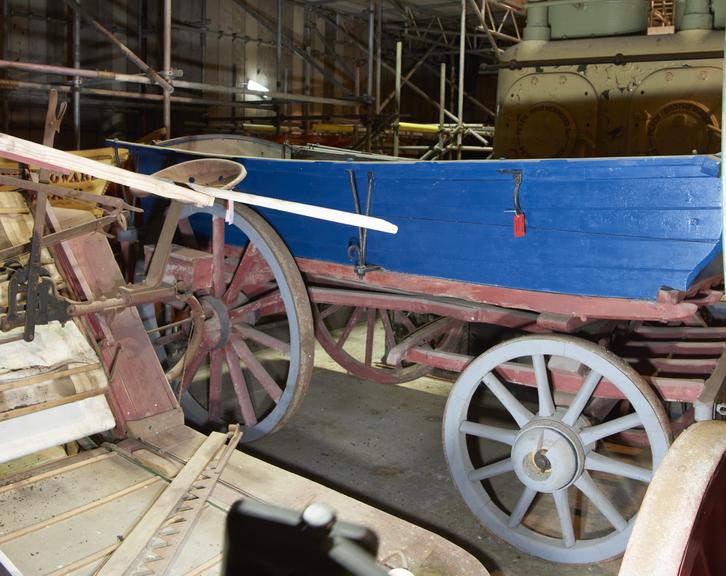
588,487
546,404
247,331
262,305
329,310
600,463
521,507
218,256
600,431
562,504
180,336
240,387
503,435
580,400
189,370
352,321
405,321
250,261
491,470
387,329
214,399
514,407
370,329
259,371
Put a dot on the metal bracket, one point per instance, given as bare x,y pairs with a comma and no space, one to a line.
359,251
48,305
517,175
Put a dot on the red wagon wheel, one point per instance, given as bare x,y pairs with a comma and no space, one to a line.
359,339
256,355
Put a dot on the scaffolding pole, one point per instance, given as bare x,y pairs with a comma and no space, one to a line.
167,67
76,35
462,58
399,58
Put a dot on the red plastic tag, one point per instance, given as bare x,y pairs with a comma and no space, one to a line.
519,225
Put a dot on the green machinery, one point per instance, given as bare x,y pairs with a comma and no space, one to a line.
592,79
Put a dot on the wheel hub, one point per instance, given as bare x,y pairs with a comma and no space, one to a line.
547,455
216,324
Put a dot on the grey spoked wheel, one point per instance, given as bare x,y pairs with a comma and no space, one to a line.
255,359
544,477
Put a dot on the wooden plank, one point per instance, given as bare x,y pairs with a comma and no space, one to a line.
85,561
81,535
30,152
78,510
30,478
202,568
40,378
137,540
49,404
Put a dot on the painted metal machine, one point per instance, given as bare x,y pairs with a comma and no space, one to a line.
591,80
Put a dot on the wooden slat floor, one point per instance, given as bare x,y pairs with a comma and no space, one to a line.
66,517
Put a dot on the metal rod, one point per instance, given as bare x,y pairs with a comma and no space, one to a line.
485,27
278,47
5,54
723,172
408,75
35,86
399,58
442,102
130,54
77,80
371,48
167,67
392,69
139,79
291,45
462,57
307,69
379,42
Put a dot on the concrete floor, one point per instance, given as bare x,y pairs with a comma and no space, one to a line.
382,444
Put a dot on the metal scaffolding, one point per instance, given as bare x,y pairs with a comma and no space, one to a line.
395,40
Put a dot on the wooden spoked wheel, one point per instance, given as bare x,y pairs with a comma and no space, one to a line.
359,339
682,522
256,355
543,476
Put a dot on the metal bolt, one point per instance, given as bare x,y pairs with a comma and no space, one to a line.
721,409
541,461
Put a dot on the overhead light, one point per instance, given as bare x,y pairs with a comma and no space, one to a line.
253,85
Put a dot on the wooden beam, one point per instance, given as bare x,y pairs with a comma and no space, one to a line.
136,541
31,153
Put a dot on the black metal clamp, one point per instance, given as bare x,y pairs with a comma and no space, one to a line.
359,249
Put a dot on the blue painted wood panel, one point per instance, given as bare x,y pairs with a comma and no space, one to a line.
620,227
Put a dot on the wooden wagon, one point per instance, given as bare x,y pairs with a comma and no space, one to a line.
602,278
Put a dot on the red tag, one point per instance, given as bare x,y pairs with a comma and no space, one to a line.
519,225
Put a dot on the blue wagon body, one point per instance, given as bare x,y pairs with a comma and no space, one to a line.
614,228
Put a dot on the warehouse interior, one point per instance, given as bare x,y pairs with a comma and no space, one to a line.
427,287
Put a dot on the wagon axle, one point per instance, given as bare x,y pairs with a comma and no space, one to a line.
548,455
